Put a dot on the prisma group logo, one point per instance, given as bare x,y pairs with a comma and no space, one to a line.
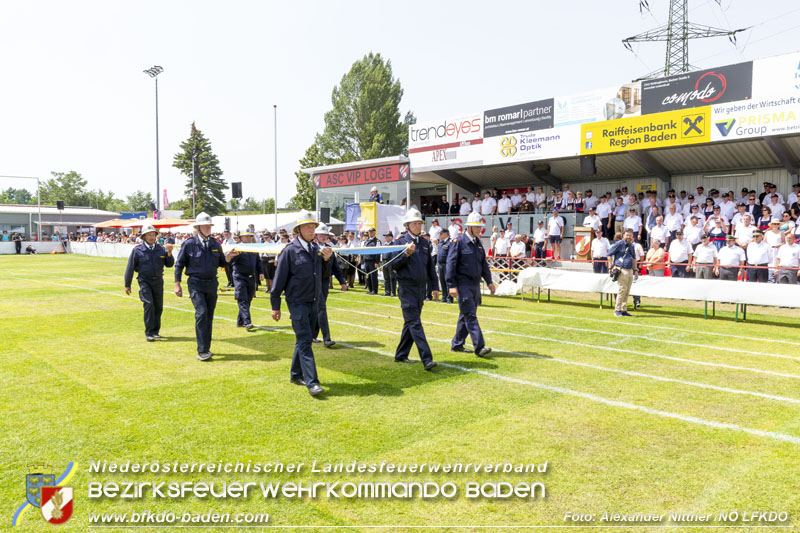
48,493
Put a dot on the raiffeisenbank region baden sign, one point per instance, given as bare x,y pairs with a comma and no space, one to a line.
745,100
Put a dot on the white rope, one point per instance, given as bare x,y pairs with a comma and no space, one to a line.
381,265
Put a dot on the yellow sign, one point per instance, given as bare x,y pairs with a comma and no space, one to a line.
659,130
644,187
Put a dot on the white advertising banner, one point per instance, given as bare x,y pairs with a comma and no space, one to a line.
779,75
533,145
755,118
603,104
449,143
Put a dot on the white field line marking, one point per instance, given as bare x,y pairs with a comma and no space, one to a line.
561,390
682,330
600,347
601,320
603,332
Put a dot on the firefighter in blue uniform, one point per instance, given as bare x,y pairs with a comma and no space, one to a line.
148,261
466,265
441,258
415,270
389,275
247,268
370,264
299,275
202,257
330,269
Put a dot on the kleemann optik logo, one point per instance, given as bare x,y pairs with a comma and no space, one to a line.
508,146
47,493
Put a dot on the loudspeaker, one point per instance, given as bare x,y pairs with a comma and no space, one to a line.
227,224
236,188
325,214
60,204
588,167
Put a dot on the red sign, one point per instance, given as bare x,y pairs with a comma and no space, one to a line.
362,176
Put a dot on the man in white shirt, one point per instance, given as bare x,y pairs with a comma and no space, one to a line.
731,260
516,199
501,245
539,242
590,200
454,230
518,248
773,191
659,231
530,196
687,206
604,210
700,197
727,207
435,230
540,200
673,222
464,209
792,198
744,233
776,206
600,248
680,254
705,262
743,198
634,223
592,220
555,229
738,219
683,199
759,254
476,203
774,237
787,261
504,204
488,205
510,233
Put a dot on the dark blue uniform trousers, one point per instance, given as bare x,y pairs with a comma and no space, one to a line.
303,365
321,324
204,298
412,297
389,281
443,284
245,290
469,297
151,293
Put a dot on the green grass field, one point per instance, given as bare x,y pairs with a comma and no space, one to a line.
664,412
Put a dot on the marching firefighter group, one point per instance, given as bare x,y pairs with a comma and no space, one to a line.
303,274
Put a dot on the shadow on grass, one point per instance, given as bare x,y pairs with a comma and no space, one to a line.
360,344
361,389
517,355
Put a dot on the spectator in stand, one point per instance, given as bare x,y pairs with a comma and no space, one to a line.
787,224
518,248
562,200
592,220
787,261
776,206
765,194
604,212
634,223
501,245
539,242
493,239
551,200
680,254
705,261
743,198
454,230
759,254
528,242
619,216
465,208
443,208
530,196
727,207
504,204
374,196
488,205
794,195
717,233
775,239
590,200
766,217
773,191
555,229
731,260
510,233
516,199
435,229
655,259
540,201
738,218
659,232
600,248
744,232
673,221
526,207
455,208
476,203
672,200
708,208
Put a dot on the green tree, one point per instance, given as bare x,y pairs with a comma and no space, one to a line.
210,188
106,201
16,196
140,201
364,123
67,186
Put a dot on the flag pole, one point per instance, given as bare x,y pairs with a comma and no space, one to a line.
275,117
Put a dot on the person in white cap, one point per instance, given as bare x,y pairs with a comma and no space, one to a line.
148,261
299,275
202,257
466,266
247,268
415,271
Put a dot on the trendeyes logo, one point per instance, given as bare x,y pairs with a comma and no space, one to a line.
450,130
725,126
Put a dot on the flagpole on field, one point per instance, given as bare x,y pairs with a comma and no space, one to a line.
275,116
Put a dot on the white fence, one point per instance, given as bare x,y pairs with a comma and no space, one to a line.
44,247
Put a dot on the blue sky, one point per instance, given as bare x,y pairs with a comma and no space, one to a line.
74,96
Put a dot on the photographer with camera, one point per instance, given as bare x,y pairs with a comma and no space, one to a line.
622,265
